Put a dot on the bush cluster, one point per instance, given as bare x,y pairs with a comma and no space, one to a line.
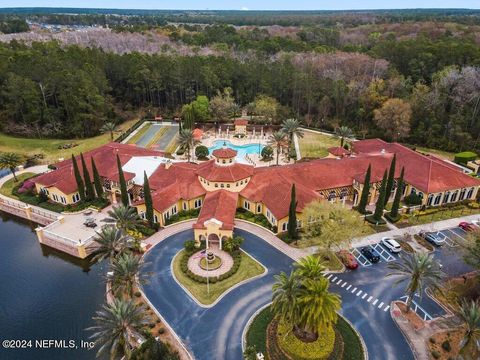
183,215
413,199
201,152
237,258
259,219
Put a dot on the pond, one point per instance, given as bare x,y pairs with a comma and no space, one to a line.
44,294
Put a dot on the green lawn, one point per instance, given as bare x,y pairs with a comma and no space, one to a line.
435,214
8,186
49,147
315,145
330,260
248,269
257,336
139,134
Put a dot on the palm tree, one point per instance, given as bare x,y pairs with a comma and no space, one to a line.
10,161
187,141
318,308
285,292
109,243
116,324
420,270
309,267
126,273
291,127
109,127
469,313
277,139
344,132
124,217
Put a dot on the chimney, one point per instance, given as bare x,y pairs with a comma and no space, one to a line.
168,164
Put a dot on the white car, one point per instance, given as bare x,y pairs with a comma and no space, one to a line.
391,245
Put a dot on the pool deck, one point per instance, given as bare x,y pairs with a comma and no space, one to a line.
253,159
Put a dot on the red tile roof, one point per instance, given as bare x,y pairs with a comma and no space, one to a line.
105,160
230,173
220,205
224,153
241,122
338,151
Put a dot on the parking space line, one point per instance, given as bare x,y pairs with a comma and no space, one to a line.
370,299
386,308
384,254
380,306
364,296
376,300
358,294
460,236
362,260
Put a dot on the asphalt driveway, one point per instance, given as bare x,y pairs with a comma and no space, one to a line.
215,333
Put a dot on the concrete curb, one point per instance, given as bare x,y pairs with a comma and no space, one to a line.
364,346
226,292
249,322
409,341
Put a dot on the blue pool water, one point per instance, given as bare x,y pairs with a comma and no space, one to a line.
242,150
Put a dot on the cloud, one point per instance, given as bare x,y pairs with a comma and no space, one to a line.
244,8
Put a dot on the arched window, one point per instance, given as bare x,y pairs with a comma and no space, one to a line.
420,195
446,197
332,195
470,193
453,198
430,200
438,197
343,193
462,194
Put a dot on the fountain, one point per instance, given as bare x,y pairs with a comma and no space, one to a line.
210,261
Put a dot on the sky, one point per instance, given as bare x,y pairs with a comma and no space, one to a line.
247,4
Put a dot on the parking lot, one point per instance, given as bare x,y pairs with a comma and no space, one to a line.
377,249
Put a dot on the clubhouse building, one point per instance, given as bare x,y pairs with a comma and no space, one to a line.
220,186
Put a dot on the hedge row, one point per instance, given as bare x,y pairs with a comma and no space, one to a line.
464,157
130,130
237,259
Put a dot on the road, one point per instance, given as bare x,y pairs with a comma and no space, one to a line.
215,333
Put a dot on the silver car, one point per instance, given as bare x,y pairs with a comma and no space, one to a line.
435,238
391,245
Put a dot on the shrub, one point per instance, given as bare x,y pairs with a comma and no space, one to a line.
267,153
201,152
446,346
432,340
464,157
413,199
189,245
161,331
137,294
435,354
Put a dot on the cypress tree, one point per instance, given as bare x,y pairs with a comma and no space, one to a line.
123,183
380,205
148,199
78,179
398,195
391,179
362,205
96,180
292,216
90,193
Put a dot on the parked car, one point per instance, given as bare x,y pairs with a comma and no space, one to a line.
391,245
370,255
348,259
435,238
467,226
90,222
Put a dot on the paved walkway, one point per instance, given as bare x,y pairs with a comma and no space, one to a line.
168,231
227,263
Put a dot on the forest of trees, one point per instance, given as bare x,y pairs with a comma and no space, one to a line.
414,82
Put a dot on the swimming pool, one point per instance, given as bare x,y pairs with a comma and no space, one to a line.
242,150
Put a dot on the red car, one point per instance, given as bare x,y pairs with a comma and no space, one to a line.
467,226
348,259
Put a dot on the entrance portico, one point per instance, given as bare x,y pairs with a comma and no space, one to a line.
212,232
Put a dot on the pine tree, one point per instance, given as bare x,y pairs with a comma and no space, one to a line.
96,179
362,205
90,193
148,200
123,183
398,195
391,179
380,205
292,216
78,179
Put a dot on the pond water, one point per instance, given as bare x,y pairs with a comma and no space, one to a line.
44,294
